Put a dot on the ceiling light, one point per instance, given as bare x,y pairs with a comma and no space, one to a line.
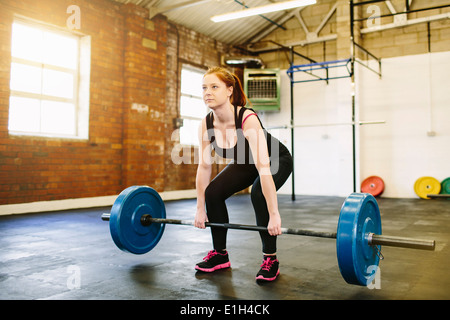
244,60
285,5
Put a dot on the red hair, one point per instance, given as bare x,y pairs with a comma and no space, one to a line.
238,97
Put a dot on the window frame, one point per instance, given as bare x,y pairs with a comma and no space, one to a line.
201,71
80,76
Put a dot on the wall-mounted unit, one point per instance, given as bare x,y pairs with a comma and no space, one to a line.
262,87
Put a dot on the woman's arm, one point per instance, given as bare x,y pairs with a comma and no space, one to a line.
258,145
203,175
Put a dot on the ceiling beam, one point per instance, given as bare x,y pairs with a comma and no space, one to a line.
153,11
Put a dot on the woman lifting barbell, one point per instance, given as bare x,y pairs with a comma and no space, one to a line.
258,160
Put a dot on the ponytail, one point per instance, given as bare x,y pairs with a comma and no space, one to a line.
238,98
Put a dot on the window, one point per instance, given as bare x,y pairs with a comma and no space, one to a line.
192,108
48,93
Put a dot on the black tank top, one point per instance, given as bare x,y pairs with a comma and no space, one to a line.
240,153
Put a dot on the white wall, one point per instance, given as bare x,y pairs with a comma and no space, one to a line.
413,96
412,100
323,155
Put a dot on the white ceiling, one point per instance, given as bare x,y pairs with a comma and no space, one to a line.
195,15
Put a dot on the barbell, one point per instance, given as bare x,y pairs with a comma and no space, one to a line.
138,218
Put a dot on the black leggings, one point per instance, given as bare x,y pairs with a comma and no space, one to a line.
234,178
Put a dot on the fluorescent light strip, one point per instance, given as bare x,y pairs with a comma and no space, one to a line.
261,10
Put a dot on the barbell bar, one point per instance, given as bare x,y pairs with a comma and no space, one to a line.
439,196
147,220
138,218
372,239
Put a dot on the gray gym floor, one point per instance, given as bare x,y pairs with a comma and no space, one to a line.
70,255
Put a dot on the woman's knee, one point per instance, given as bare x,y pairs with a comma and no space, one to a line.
213,193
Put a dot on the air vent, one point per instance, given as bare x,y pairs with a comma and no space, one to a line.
262,87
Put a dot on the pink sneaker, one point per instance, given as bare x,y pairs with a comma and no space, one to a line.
269,269
213,261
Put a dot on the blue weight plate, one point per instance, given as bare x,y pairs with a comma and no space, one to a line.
125,221
358,261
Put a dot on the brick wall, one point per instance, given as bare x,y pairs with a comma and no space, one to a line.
133,61
36,169
124,147
144,83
